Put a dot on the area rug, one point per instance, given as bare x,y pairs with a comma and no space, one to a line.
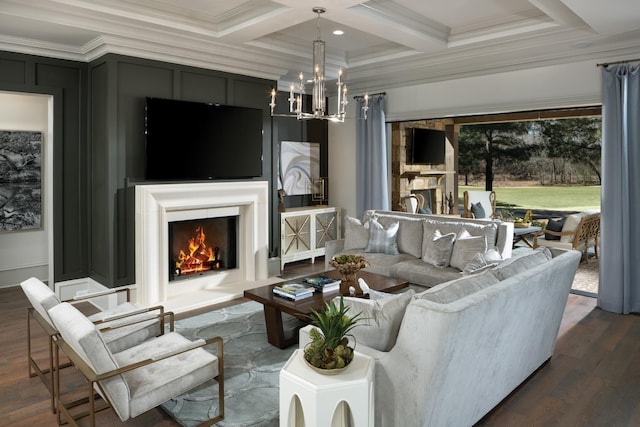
251,369
588,276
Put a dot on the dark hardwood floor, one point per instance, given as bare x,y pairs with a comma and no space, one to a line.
593,378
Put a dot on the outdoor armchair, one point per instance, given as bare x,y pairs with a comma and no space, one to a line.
410,204
479,204
580,232
135,380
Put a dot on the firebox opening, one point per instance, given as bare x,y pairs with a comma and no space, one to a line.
200,246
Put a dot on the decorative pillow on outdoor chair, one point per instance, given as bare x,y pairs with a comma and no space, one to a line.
554,225
381,239
477,210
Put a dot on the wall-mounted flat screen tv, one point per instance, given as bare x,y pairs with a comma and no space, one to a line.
195,141
427,146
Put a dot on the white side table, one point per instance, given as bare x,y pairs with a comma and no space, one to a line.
312,399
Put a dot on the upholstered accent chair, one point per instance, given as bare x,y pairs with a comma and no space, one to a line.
479,204
137,379
122,326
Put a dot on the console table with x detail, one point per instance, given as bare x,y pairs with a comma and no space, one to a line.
304,231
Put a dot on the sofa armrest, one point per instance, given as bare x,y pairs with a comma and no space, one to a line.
331,248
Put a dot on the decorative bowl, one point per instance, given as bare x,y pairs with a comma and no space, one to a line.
327,371
522,224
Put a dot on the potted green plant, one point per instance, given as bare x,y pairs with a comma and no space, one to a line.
329,350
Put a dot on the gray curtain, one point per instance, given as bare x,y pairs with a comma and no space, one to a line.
372,182
620,243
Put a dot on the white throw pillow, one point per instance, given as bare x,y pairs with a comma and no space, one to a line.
465,248
481,262
356,234
438,249
382,240
380,319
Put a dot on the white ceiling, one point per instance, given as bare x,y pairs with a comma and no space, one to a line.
386,43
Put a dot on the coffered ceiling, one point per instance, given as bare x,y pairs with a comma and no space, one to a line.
386,43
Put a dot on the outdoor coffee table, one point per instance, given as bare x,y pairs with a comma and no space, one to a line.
274,305
525,235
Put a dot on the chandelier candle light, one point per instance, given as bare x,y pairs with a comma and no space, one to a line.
318,92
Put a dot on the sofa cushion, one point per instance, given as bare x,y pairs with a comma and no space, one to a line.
448,292
356,234
554,225
409,237
380,319
382,239
437,250
380,263
421,273
465,248
518,264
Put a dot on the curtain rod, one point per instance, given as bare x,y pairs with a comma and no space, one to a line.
606,64
370,94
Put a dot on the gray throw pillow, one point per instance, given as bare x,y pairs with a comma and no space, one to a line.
438,249
465,247
554,225
477,210
382,240
380,319
356,234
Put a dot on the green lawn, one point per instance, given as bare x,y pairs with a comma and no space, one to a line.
563,198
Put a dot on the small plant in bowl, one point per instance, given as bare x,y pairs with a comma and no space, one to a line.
329,351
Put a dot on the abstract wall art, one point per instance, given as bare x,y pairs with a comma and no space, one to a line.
299,166
20,180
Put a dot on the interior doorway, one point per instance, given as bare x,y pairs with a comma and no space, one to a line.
28,253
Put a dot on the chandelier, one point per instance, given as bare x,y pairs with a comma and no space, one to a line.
318,91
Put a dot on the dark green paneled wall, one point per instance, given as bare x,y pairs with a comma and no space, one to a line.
99,150
67,82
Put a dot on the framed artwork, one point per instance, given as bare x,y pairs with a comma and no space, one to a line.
299,166
20,180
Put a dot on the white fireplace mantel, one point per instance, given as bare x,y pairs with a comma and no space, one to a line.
156,205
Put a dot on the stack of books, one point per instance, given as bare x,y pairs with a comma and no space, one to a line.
293,291
323,283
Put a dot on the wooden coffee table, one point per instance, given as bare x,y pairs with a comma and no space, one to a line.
274,306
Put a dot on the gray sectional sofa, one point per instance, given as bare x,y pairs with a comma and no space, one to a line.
413,256
449,354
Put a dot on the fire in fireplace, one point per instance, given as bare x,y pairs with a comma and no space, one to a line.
202,245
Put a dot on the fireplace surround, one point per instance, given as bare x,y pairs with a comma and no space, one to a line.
158,205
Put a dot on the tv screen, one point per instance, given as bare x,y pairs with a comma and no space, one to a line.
195,141
427,146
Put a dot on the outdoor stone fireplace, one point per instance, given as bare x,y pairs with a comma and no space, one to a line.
239,263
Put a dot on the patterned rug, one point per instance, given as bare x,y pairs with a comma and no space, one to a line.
587,276
251,369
